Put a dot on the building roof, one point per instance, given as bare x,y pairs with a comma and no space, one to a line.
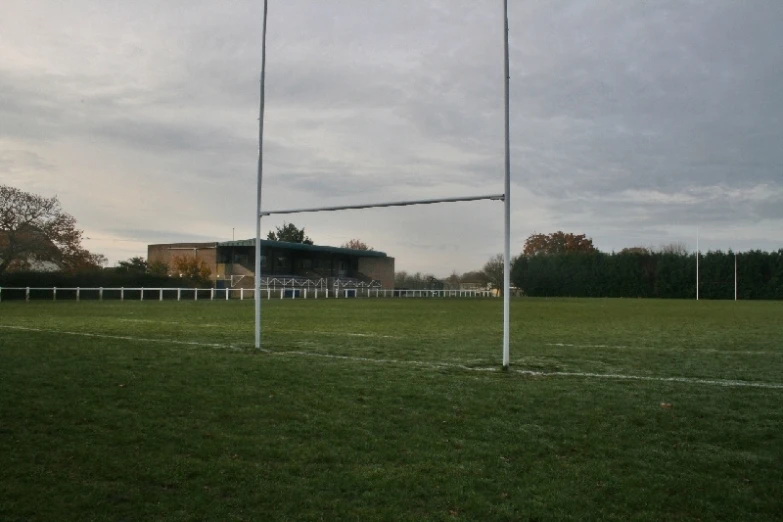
266,243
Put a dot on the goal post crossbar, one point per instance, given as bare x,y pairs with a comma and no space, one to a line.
494,197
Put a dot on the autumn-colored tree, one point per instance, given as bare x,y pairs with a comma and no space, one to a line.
192,269
356,244
36,229
557,243
289,233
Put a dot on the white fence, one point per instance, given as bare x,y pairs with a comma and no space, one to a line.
212,294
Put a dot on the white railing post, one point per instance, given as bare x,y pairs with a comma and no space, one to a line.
195,294
100,294
54,294
241,294
77,293
211,294
160,297
27,294
227,289
141,294
122,293
179,294
282,290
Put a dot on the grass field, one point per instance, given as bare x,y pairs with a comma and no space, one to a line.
391,410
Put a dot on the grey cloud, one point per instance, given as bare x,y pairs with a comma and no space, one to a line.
661,91
159,235
711,207
14,162
171,137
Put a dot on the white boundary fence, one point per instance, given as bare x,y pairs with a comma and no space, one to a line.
212,294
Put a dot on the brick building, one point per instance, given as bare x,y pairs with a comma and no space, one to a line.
235,260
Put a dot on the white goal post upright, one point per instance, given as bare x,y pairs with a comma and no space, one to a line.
506,203
505,197
697,263
257,282
735,276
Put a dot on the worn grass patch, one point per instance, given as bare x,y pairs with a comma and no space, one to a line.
391,410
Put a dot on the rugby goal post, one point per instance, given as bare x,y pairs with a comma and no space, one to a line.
505,197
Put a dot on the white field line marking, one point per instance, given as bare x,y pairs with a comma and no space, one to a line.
346,334
421,364
125,337
569,345
663,349
178,323
533,373
713,382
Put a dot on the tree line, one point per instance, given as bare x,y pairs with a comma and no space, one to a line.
40,245
650,274
569,265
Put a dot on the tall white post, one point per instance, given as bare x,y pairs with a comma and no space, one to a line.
735,276
697,263
257,293
506,204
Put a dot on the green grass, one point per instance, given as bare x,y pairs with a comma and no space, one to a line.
106,428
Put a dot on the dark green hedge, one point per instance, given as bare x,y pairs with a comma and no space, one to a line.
760,275
93,279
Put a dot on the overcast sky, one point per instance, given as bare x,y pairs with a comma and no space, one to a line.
633,122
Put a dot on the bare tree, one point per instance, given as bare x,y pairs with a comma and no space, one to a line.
36,229
677,248
453,280
493,271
